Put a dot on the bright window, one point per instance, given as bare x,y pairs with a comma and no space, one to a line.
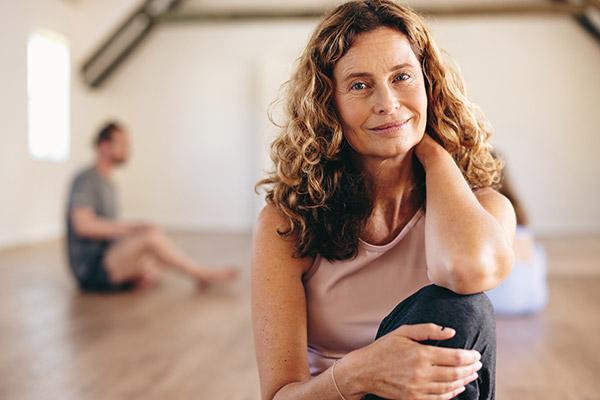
48,87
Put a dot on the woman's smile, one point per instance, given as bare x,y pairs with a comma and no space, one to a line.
391,128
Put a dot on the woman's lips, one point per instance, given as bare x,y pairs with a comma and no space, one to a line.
391,127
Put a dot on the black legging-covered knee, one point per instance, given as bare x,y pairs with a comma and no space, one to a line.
471,316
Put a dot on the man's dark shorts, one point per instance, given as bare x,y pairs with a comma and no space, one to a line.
93,277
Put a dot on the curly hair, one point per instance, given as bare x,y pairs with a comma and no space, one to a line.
325,199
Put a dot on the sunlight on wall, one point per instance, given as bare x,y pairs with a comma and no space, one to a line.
48,87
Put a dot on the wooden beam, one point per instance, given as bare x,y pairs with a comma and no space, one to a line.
466,10
123,40
121,43
589,20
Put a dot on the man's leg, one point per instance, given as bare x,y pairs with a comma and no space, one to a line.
127,259
472,317
150,274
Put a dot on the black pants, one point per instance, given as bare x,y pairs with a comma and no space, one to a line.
472,317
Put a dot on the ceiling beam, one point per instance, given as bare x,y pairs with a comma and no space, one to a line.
457,10
123,40
589,20
136,27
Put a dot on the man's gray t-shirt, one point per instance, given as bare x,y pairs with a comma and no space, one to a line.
92,190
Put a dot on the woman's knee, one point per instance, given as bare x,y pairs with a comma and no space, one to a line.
437,299
472,316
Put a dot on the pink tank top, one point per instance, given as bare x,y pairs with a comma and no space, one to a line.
346,300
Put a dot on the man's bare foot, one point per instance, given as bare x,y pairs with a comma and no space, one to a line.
209,277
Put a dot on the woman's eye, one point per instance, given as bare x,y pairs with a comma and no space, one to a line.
402,77
358,86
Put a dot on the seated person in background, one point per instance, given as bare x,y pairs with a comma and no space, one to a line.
523,244
108,254
525,289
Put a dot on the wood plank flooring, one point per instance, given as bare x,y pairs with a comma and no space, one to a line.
175,342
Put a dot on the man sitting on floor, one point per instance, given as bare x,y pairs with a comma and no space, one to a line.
107,254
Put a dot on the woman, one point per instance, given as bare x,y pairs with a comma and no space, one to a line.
381,197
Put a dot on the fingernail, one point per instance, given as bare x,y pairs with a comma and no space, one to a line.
462,389
478,365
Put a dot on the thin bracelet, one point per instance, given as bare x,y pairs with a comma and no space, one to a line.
334,382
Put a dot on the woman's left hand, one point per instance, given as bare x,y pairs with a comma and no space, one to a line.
426,148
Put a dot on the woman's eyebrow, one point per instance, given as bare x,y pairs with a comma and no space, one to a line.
368,75
400,66
357,75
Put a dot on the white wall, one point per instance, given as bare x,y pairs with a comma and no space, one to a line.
535,78
538,81
32,192
195,98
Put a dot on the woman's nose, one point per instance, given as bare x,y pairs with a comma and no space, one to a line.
386,102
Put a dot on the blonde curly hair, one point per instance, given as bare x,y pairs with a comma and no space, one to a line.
314,184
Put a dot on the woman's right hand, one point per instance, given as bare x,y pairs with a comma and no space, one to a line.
397,366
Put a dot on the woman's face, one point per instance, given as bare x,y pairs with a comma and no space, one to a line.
380,95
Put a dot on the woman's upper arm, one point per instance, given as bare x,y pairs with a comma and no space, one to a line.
278,305
499,207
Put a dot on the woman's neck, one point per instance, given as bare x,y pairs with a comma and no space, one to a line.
395,198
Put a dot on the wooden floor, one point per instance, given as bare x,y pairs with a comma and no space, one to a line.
176,342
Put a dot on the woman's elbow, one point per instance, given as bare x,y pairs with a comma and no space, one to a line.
476,274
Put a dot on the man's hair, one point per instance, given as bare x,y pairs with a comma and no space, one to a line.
106,132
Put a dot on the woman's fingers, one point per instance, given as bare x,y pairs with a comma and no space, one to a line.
433,372
452,357
450,374
448,387
445,396
421,332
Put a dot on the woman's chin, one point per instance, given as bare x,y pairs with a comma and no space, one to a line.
388,154
387,148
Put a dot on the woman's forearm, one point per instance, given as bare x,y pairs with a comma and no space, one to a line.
347,377
467,249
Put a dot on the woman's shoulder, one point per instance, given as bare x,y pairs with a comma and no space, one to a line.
271,245
271,215
271,221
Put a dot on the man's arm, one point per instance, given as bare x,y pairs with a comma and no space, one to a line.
88,225
468,236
